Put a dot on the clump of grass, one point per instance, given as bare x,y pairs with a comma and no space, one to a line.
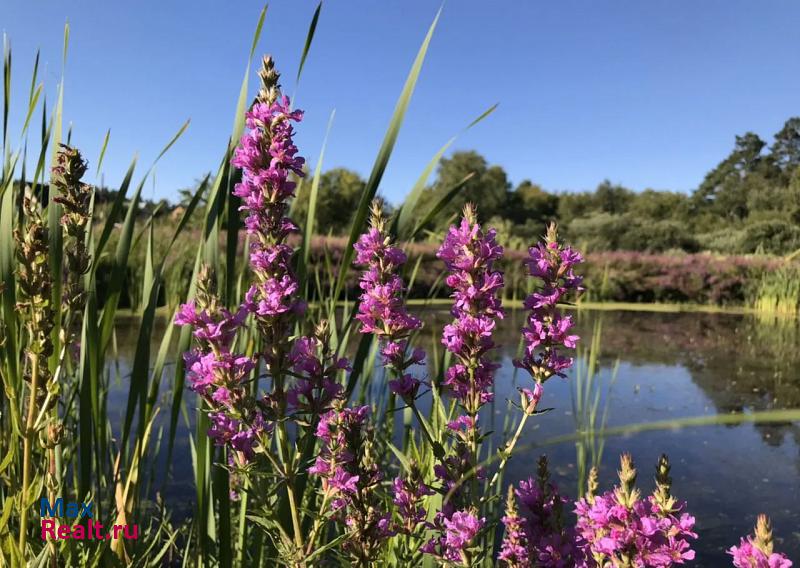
590,406
778,292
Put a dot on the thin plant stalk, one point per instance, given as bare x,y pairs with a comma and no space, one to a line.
26,454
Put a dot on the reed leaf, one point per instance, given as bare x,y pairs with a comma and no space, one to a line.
402,223
381,161
309,38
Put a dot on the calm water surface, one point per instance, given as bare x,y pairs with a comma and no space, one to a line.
652,367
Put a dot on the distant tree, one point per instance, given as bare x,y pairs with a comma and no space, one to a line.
611,198
657,236
598,231
772,237
572,205
530,204
785,151
487,188
724,189
655,205
337,200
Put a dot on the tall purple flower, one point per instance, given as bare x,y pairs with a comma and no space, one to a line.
458,541
514,548
757,551
219,375
381,310
268,159
469,255
547,331
409,493
620,528
548,541
350,477
315,366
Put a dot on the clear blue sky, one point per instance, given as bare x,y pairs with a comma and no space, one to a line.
647,94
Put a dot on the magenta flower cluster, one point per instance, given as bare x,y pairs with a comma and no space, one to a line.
623,528
547,331
756,551
535,530
642,533
515,549
381,309
219,376
315,367
748,555
267,156
469,255
350,477
409,492
458,537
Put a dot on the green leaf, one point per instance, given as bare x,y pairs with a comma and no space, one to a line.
113,215
103,148
385,152
403,219
309,38
308,234
441,204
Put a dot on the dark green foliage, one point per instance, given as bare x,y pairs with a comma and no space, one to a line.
339,191
749,203
786,149
488,187
771,237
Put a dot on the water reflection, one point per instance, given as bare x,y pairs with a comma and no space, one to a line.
670,365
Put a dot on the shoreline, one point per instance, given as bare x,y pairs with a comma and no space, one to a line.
163,311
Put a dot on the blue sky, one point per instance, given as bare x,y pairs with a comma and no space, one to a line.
647,94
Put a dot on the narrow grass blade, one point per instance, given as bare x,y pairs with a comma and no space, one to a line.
403,220
113,215
103,149
6,91
441,204
309,38
7,278
371,188
308,233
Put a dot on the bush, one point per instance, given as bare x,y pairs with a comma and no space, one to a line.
771,237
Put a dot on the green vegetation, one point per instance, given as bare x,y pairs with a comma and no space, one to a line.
71,257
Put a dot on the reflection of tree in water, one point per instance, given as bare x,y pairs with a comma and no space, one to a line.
742,363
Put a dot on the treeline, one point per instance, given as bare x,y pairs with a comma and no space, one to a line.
748,203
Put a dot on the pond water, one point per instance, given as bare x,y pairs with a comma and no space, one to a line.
652,366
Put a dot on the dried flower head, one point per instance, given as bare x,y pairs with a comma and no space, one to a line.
75,197
35,286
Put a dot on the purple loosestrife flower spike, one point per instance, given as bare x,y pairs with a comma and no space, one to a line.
409,493
619,528
268,159
757,551
539,525
381,310
547,332
219,375
315,365
469,255
350,477
458,541
514,548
